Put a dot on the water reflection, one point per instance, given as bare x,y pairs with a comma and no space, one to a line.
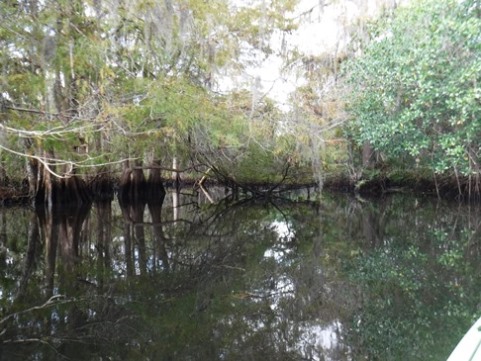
186,276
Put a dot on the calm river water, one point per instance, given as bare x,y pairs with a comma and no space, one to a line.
191,277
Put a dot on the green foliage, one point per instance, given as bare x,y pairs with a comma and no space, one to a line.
132,78
415,89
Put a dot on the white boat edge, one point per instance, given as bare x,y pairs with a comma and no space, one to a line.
469,348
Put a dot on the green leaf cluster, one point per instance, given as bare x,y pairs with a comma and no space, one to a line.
415,89
132,78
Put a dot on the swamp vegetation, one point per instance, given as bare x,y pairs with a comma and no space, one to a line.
100,94
172,209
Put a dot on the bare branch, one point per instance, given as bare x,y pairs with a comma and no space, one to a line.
47,162
54,300
56,131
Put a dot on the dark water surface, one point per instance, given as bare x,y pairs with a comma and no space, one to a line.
182,278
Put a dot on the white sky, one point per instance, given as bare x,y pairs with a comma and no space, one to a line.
321,28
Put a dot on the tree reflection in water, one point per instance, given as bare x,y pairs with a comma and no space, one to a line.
172,276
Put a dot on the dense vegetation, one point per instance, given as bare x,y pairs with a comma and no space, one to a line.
87,85
415,89
96,87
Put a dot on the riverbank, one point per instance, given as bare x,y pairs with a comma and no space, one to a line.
372,183
379,183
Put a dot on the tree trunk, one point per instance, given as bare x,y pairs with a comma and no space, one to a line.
156,188
367,155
